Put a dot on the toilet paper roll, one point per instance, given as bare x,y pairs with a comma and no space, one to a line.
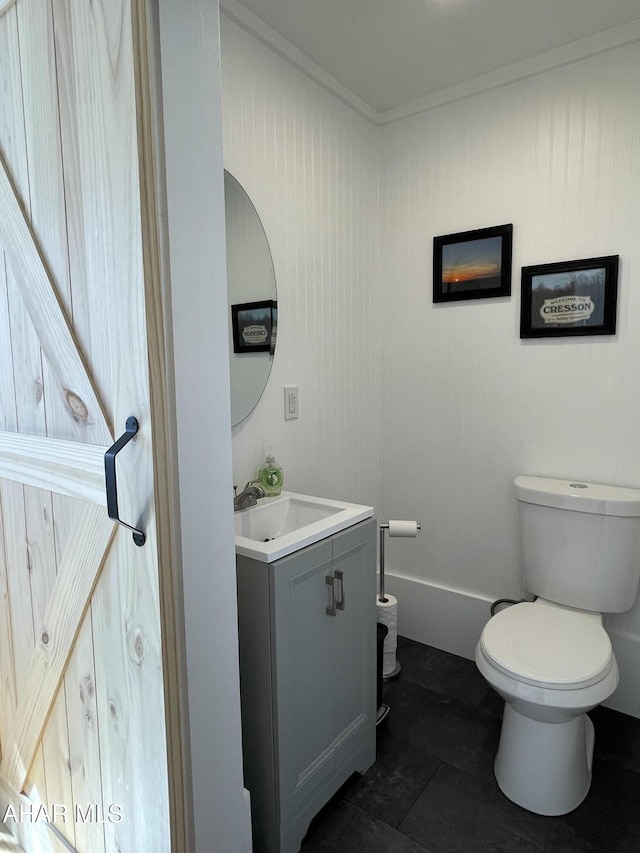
403,528
388,663
387,613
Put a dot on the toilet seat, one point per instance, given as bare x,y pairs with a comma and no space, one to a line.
548,646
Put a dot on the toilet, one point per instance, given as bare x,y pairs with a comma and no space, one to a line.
551,659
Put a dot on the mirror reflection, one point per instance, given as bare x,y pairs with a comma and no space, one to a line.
253,312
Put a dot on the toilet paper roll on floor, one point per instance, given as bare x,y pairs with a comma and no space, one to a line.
387,613
403,528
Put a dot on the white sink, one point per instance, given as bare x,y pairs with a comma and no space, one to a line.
276,527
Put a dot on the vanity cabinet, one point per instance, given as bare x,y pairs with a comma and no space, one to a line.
307,679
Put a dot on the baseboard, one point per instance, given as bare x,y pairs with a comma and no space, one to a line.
452,620
448,619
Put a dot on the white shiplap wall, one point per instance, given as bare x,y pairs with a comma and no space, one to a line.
427,411
557,155
310,166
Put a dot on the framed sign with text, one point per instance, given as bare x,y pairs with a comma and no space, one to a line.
254,326
569,298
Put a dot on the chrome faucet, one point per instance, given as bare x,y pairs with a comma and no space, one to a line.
248,496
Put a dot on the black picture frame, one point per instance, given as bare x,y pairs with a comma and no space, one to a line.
254,326
570,298
472,264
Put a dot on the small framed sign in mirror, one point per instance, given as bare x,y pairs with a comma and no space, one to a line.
254,326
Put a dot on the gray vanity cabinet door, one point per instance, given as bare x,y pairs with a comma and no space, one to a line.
354,642
304,675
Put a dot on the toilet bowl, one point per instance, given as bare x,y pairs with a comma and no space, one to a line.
552,661
551,664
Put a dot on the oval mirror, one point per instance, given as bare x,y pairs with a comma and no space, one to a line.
253,312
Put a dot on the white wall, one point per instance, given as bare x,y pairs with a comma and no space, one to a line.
429,411
557,155
189,40
310,166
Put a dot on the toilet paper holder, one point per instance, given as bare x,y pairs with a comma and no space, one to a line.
395,528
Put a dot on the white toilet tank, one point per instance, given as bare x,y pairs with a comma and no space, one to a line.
580,542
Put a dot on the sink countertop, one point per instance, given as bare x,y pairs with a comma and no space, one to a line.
332,517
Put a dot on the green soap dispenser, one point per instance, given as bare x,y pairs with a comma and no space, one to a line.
271,475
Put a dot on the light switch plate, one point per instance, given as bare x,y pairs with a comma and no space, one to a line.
290,402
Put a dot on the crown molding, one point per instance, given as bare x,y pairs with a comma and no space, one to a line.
557,58
236,12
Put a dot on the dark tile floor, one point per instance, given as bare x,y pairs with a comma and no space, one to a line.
432,788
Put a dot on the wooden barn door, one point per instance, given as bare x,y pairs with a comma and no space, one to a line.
83,649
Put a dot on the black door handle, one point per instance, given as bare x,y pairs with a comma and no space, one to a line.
131,428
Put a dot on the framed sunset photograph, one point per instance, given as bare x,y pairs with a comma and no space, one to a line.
472,264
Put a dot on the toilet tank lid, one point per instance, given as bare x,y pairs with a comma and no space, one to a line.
578,495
